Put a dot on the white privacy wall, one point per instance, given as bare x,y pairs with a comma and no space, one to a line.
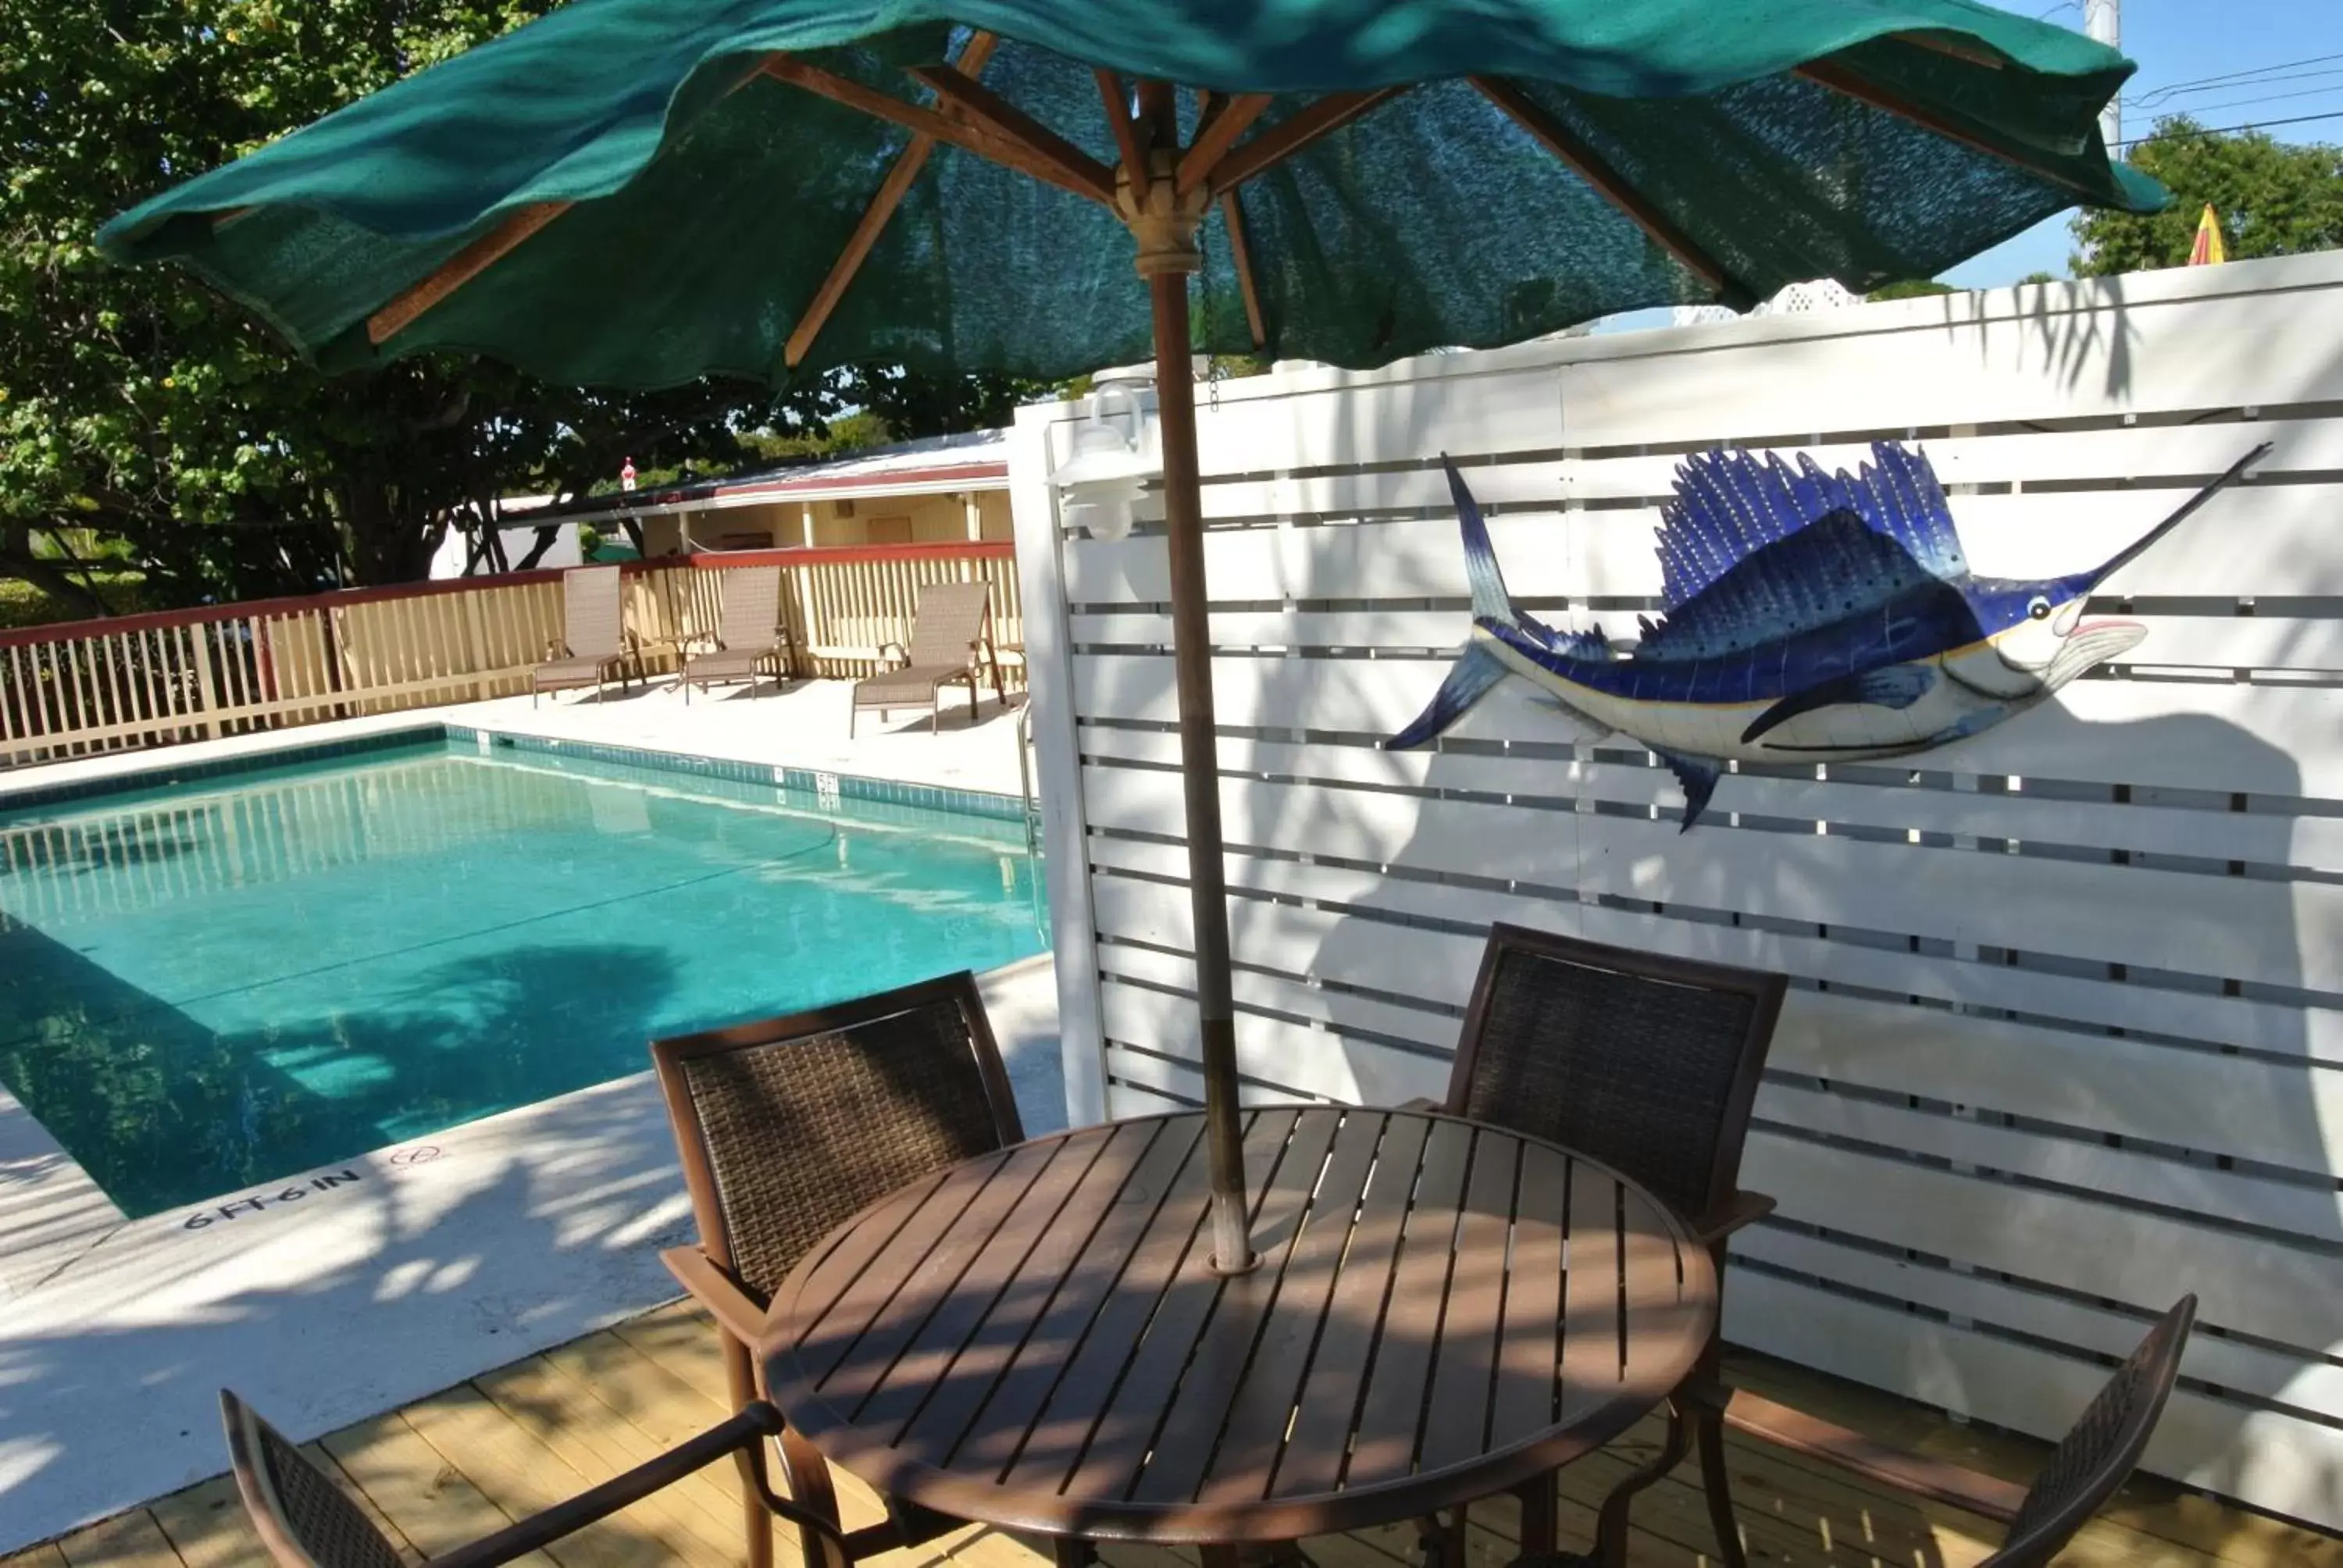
2064,1037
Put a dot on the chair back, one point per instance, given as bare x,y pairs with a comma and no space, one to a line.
2100,1450
1646,1063
790,1126
593,622
302,1517
749,610
953,618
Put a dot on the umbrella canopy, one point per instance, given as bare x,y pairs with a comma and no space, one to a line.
639,191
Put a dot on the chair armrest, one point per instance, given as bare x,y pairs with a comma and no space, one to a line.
716,1291
894,655
1936,1479
555,649
1741,1209
759,1422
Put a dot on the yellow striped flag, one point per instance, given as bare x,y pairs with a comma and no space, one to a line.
2207,249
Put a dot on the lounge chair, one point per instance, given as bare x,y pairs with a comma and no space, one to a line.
787,1128
1649,1064
305,1519
595,643
951,640
750,635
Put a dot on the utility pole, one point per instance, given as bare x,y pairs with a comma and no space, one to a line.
2102,21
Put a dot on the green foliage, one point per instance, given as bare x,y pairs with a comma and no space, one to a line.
2039,278
1911,288
22,604
2270,198
174,427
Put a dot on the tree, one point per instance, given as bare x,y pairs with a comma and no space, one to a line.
1910,288
2271,198
134,404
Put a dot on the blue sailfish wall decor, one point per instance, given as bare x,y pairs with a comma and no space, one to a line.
1809,616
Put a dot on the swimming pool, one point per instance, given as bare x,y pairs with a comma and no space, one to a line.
218,983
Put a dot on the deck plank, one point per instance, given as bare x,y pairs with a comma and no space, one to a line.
130,1539
523,1476
564,1415
431,1502
461,1464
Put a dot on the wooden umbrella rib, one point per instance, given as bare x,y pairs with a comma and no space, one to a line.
1116,100
1010,124
1838,79
873,222
1297,131
461,268
1215,139
1159,112
1242,251
1589,166
981,140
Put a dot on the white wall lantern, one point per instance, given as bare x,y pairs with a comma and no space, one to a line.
1101,483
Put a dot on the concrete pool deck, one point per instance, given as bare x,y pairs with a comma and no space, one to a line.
341,1292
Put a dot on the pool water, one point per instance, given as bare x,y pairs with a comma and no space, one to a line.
216,985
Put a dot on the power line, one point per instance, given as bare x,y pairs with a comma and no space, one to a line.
2266,98
2234,76
2160,94
2224,130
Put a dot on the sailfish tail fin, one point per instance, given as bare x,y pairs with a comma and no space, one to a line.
1490,599
1475,671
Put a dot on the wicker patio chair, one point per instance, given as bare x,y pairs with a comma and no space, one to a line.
1649,1064
752,635
305,1521
595,643
2095,1457
788,1127
951,640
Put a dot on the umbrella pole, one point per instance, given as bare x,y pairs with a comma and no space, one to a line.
1199,769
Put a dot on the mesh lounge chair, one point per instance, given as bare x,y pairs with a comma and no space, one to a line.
951,640
788,1127
1649,1064
595,643
750,636
305,1521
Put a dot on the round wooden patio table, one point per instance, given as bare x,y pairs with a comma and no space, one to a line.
1035,1340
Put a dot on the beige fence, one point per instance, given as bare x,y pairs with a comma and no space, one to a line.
89,687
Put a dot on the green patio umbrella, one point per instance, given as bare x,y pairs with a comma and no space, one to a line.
639,191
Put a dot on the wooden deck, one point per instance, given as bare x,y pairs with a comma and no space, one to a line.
463,1462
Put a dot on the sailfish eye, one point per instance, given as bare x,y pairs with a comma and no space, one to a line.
2038,607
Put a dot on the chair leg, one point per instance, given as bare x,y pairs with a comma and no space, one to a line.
740,1375
1708,1434
1611,1524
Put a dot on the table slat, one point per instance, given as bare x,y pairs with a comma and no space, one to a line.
1152,1365
1264,1407
1590,1300
1142,1234
1456,1421
1215,1373
932,1357
1390,1417
936,1430
1312,1461
1529,1352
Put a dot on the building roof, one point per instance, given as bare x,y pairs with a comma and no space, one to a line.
939,465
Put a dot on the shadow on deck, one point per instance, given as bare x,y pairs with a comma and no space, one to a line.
465,1462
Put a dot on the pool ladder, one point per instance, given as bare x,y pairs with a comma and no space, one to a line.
1025,791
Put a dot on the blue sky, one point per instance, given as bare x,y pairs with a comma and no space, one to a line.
2179,45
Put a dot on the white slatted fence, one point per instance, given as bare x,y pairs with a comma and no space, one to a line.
2066,1031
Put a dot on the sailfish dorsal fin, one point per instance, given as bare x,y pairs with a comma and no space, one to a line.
1728,505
